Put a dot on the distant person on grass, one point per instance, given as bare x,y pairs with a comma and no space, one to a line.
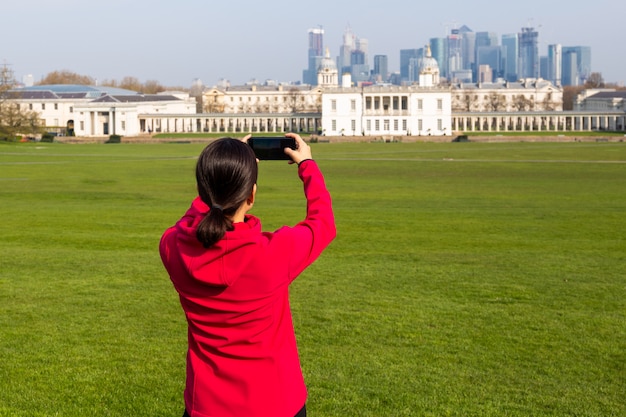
233,280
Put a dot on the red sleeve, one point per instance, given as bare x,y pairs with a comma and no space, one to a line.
312,235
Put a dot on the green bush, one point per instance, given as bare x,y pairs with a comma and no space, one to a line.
47,137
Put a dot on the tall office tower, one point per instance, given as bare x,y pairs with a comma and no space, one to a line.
346,48
455,57
555,59
583,63
528,53
509,56
484,39
489,56
468,47
381,68
353,57
315,55
439,52
415,65
569,75
406,55
543,67
362,45
359,61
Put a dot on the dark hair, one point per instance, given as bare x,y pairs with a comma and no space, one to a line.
226,173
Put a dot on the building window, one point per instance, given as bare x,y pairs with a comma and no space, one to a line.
123,125
376,103
395,124
43,106
439,124
439,104
386,125
82,125
369,125
71,109
377,125
333,105
333,125
353,124
353,105
420,104
30,106
368,103
405,103
419,125
396,105
56,106
403,124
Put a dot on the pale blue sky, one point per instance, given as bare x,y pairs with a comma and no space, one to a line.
176,42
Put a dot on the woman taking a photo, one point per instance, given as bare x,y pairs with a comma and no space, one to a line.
232,279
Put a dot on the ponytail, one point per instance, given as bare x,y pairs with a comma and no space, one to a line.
213,226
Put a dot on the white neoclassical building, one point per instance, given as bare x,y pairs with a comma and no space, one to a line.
422,109
530,94
604,99
386,110
83,110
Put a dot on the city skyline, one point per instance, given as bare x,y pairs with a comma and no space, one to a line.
175,44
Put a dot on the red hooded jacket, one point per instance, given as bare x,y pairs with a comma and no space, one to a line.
242,358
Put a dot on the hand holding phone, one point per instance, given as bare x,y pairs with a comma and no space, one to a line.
272,148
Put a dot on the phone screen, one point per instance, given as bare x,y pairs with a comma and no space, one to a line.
266,148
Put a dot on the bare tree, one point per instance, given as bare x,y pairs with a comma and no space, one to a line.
548,102
14,120
152,87
465,102
294,100
495,102
131,83
521,103
570,93
66,77
594,80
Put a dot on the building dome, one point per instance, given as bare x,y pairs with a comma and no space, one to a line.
429,70
327,74
429,64
327,64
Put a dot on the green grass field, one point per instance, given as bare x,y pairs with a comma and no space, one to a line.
467,279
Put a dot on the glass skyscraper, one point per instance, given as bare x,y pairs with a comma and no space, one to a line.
315,55
510,53
528,53
578,64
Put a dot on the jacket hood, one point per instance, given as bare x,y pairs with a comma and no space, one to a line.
210,265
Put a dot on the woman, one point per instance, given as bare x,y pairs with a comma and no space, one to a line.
232,280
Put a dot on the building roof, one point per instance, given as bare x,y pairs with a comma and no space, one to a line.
135,98
609,95
528,83
68,91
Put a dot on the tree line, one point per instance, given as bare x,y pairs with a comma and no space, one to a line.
127,83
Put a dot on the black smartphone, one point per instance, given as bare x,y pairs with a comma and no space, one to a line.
267,148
